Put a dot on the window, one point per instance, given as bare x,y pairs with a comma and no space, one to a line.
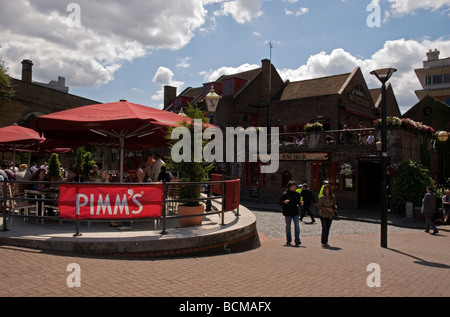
228,87
447,78
428,80
324,171
437,79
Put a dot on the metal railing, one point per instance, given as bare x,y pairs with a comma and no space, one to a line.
14,203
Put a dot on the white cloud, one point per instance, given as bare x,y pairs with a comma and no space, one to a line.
109,35
402,7
299,12
164,77
404,55
213,75
184,63
242,11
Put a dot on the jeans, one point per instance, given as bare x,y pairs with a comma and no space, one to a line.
288,220
326,225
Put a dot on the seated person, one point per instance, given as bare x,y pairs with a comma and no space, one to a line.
165,175
72,176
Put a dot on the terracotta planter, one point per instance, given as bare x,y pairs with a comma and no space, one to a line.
191,210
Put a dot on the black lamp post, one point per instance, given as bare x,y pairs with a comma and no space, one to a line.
383,76
443,136
211,100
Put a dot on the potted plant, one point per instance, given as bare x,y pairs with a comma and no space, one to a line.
54,168
87,165
190,171
411,181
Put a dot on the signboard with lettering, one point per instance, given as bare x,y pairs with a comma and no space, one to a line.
77,201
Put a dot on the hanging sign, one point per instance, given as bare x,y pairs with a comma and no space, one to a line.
77,201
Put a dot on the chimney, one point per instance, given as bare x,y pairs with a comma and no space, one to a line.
169,93
266,80
433,56
27,67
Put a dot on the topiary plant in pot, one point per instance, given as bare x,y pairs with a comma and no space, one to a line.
54,168
190,168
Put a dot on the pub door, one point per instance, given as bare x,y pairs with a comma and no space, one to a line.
369,184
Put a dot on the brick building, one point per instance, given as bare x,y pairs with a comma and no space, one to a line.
32,99
344,106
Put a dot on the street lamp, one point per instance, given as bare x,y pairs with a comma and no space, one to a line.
212,100
443,136
383,76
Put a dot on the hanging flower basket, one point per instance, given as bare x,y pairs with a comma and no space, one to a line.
346,169
316,126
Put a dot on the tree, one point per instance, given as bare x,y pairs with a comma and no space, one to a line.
190,171
411,181
6,90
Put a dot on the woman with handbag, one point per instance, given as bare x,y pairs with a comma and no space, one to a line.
327,206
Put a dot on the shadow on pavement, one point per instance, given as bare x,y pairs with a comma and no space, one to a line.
422,261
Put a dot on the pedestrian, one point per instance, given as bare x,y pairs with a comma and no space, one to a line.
428,208
327,206
446,206
290,200
307,199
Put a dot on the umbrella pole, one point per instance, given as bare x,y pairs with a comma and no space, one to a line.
121,142
14,159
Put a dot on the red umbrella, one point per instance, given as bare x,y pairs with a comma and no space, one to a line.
18,137
120,121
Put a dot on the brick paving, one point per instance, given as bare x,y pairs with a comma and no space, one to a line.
414,264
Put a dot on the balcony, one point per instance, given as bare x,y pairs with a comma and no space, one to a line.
328,140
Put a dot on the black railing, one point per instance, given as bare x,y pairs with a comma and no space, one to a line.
17,202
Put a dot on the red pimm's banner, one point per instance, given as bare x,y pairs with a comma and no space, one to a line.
77,201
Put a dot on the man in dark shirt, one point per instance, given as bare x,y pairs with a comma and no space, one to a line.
308,200
290,200
165,175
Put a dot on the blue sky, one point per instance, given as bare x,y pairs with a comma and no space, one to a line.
132,49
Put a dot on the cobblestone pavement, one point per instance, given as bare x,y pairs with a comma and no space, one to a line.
414,264
271,225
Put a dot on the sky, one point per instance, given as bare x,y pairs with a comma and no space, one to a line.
112,50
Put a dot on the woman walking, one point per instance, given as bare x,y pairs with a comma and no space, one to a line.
327,207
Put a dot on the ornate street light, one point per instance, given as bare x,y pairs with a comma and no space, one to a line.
383,76
212,100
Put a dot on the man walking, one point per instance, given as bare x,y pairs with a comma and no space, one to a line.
308,200
428,208
290,200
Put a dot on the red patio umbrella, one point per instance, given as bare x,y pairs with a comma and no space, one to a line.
16,137
118,121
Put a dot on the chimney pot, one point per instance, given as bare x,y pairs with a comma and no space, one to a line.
169,93
27,71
